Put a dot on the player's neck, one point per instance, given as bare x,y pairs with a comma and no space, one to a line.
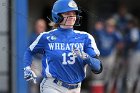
66,27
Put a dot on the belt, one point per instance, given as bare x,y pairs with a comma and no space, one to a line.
66,85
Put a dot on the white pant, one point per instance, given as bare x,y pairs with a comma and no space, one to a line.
133,71
48,86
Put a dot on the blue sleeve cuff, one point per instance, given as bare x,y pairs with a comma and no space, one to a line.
94,63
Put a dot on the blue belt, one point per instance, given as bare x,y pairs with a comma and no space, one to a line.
66,85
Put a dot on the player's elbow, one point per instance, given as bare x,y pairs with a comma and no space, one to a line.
95,64
98,69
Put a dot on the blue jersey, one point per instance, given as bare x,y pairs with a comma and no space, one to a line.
58,60
132,39
106,42
31,40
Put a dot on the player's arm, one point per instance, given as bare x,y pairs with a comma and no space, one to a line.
92,55
94,63
36,47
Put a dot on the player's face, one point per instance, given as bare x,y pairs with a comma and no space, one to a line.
69,19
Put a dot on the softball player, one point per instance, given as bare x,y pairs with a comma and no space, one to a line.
132,41
66,52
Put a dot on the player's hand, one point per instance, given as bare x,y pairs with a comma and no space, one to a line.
29,75
78,53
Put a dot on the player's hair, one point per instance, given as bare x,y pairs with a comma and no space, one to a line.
55,26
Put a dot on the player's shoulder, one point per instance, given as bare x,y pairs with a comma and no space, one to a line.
43,35
80,32
47,33
83,33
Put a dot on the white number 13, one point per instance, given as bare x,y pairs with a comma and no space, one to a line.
65,61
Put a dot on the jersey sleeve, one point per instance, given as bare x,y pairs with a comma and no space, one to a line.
92,60
90,46
36,47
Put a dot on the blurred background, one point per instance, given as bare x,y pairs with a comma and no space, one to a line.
113,23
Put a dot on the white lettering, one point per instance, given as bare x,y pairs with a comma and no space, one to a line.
51,46
76,45
72,45
65,46
62,46
57,46
81,46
